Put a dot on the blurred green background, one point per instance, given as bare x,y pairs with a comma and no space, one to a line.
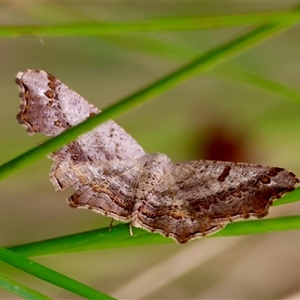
208,117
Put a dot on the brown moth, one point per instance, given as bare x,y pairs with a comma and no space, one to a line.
112,175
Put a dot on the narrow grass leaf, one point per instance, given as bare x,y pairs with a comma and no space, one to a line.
120,237
19,289
260,226
150,25
50,275
294,196
243,76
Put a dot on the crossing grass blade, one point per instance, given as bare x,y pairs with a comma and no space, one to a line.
148,25
119,237
20,290
50,275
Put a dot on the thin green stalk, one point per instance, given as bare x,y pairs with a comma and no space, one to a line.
119,237
20,289
50,275
243,76
157,24
201,64
261,226
90,240
294,196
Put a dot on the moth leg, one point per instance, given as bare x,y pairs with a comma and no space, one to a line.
111,224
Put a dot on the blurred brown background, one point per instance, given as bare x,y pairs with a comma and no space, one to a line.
209,116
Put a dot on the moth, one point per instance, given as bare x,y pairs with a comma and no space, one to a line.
112,175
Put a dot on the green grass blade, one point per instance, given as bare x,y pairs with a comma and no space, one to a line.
89,240
19,289
120,237
157,24
294,196
49,275
201,64
260,226
247,227
290,93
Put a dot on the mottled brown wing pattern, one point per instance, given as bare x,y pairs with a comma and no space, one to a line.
198,198
48,106
111,190
112,175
